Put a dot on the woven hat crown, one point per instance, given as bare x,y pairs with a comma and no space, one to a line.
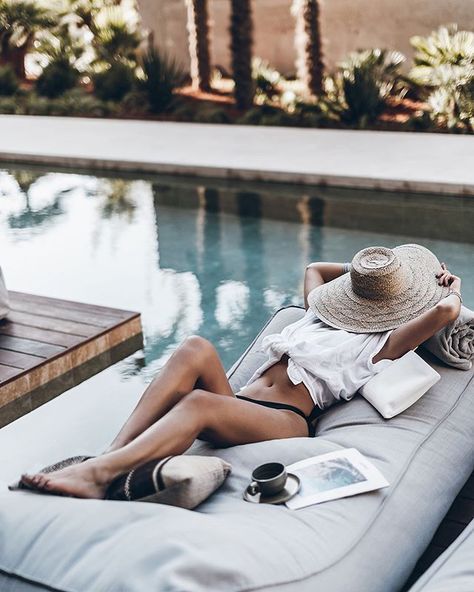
377,273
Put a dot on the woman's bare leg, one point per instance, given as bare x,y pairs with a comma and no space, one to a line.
224,421
195,364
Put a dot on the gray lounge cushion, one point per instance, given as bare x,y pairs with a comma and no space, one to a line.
367,543
453,571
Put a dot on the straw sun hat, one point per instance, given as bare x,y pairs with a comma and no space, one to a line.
384,289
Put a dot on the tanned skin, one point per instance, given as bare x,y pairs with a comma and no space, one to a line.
192,398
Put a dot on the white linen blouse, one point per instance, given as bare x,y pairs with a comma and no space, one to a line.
332,363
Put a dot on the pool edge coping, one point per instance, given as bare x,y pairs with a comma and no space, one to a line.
241,174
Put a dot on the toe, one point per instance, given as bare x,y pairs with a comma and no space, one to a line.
27,479
37,480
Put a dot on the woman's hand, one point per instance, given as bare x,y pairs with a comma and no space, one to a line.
446,278
412,333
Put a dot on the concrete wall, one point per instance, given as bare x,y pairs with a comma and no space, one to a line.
347,25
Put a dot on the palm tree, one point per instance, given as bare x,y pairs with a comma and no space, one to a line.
116,36
198,30
20,21
241,31
309,64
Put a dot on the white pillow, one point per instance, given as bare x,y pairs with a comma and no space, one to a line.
398,386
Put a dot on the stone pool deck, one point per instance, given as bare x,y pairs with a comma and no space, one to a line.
420,162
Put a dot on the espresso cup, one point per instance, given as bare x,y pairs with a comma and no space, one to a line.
268,479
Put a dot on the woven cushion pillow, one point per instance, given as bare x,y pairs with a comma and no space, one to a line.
183,481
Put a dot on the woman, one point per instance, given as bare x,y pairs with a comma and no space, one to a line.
355,325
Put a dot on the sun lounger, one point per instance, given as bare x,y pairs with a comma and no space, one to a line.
367,543
454,569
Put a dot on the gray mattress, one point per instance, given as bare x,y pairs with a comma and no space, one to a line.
453,571
367,543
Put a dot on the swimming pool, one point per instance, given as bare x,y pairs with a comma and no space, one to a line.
201,257
192,256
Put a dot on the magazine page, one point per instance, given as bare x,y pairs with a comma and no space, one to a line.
334,475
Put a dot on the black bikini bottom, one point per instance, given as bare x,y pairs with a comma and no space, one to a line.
316,412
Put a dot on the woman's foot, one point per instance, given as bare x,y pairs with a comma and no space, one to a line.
85,480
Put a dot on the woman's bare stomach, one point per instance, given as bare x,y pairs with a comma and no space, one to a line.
275,385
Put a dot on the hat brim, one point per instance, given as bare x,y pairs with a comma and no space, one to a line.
339,306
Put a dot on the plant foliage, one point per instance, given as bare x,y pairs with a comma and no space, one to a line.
359,92
267,81
20,21
8,81
444,66
114,83
446,56
115,36
160,77
56,78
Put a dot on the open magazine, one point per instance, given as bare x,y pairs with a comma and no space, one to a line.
334,475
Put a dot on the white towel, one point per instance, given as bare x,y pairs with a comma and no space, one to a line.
454,344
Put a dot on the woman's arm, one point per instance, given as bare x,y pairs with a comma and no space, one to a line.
319,273
411,334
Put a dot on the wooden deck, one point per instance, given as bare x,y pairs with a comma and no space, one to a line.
48,346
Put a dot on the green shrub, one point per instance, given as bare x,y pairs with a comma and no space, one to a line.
73,103
8,106
309,114
36,105
114,83
116,36
444,74
183,111
135,101
453,107
359,92
443,58
80,103
212,115
57,77
267,81
8,81
161,76
267,115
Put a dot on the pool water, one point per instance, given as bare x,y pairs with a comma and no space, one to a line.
191,269
196,257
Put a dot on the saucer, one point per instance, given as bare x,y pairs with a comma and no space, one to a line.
291,488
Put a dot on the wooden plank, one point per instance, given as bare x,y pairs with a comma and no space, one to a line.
46,392
7,372
69,304
43,335
18,360
48,346
28,346
52,324
65,314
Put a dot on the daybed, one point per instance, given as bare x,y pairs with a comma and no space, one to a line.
454,569
367,543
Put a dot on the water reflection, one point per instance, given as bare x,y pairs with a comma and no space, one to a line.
36,209
117,199
194,258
